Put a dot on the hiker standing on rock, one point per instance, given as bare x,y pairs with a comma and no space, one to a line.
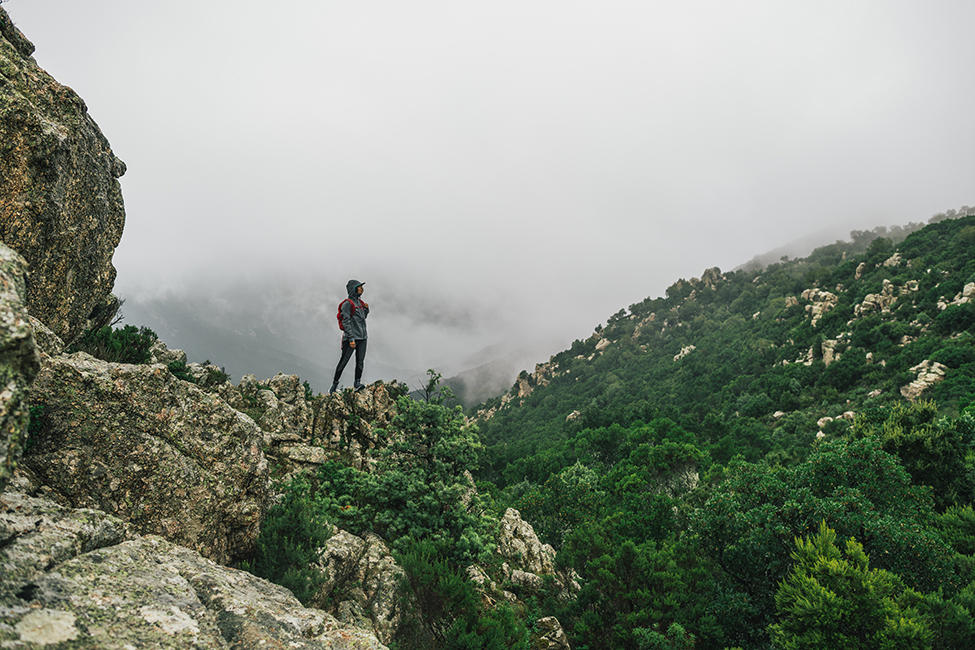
352,321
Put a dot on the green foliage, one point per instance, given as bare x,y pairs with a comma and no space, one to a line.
957,526
933,450
747,522
417,488
211,377
291,534
180,371
630,597
129,344
602,455
450,611
833,599
415,491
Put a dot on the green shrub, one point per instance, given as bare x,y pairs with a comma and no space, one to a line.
451,613
180,371
212,376
833,599
291,534
129,344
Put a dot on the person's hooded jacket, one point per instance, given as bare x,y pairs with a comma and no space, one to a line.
354,320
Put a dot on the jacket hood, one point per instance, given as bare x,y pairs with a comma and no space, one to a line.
351,286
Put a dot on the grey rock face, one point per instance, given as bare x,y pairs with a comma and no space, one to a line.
362,584
72,576
135,442
60,200
527,561
305,433
47,341
18,361
159,353
550,635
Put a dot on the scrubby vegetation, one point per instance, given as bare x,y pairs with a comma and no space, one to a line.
128,344
781,457
677,455
416,497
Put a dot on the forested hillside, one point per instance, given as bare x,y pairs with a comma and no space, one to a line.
675,455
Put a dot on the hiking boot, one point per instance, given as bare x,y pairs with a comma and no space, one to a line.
334,388
359,387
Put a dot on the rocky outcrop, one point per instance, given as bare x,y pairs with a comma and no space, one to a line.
684,351
820,303
159,353
362,584
830,351
304,433
549,635
967,294
134,441
347,422
60,200
877,302
893,260
78,577
18,361
526,561
928,373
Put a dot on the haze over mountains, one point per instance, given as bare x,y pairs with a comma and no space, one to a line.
271,325
286,322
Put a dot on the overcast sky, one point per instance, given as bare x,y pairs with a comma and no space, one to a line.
556,159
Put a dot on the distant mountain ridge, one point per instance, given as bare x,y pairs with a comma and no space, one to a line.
853,324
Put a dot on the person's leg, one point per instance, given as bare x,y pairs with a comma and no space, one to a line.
343,360
360,358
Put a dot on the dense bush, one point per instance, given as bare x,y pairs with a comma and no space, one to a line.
291,534
129,344
833,599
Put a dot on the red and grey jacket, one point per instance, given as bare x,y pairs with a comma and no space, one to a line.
352,313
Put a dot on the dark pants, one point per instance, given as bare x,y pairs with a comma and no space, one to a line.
360,357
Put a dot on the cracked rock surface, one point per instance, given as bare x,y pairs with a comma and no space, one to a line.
60,199
135,442
77,576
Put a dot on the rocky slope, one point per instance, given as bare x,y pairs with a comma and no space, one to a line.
61,205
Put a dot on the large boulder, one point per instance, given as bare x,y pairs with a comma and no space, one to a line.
527,562
18,361
134,441
60,199
79,578
928,374
362,584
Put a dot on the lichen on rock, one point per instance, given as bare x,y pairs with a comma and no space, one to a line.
60,199
76,576
138,443
18,361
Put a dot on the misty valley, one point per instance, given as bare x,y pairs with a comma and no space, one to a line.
781,455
